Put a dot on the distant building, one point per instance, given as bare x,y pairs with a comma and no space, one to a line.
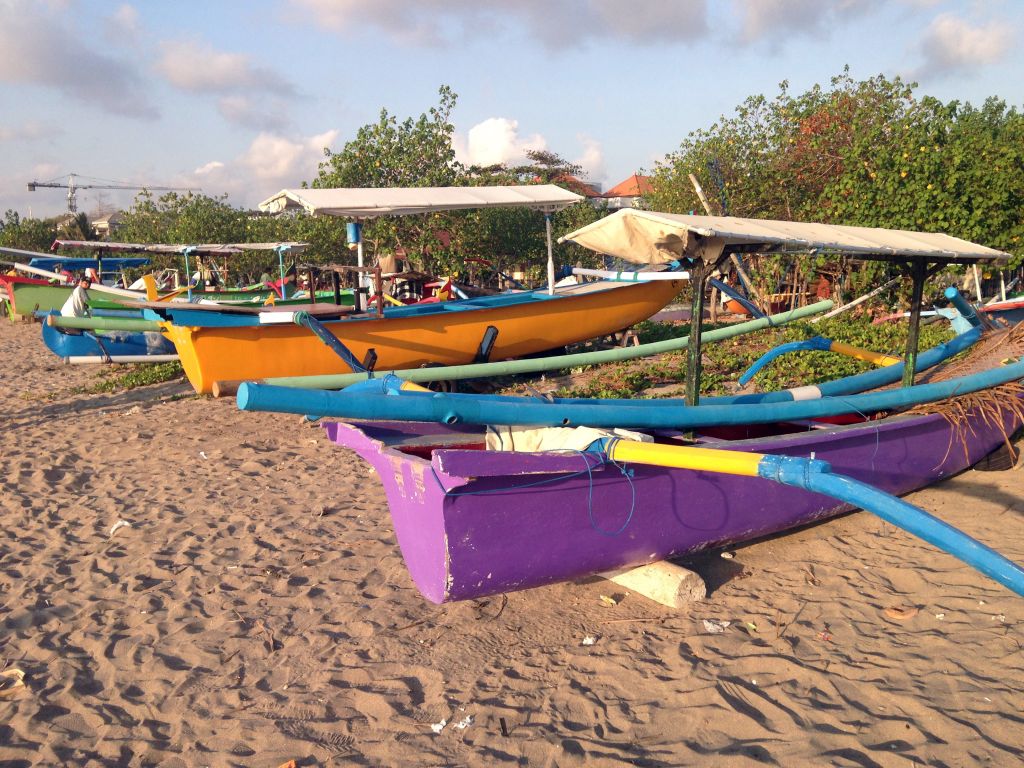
108,223
588,189
627,194
63,221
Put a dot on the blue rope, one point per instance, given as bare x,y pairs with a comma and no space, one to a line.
628,474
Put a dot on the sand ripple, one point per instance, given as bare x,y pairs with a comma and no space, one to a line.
257,610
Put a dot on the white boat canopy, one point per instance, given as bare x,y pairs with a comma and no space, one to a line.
646,237
202,249
372,202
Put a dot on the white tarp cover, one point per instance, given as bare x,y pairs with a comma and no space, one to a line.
206,248
371,202
645,237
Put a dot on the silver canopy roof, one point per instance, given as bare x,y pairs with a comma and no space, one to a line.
368,203
204,248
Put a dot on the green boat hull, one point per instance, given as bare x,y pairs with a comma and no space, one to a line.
30,298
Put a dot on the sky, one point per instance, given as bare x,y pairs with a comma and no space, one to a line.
240,98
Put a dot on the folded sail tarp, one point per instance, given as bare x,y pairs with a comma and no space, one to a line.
648,237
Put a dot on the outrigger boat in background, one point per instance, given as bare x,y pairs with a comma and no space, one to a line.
127,345
229,346
45,289
117,333
1010,311
194,289
480,507
29,296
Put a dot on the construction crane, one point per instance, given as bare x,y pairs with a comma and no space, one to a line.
72,187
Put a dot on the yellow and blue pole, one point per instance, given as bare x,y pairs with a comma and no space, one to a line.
816,475
820,344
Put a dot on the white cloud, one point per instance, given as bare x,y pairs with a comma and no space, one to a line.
558,24
38,48
193,67
496,140
766,19
271,162
952,44
29,131
211,167
265,113
125,22
249,95
592,159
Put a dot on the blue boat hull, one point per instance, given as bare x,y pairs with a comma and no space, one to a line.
116,346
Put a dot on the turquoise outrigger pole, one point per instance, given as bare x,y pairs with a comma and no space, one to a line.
392,399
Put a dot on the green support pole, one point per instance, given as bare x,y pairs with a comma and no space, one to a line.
103,323
540,364
918,270
699,273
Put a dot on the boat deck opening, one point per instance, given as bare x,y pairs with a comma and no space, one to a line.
468,438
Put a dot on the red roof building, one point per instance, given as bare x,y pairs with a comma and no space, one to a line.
627,193
578,186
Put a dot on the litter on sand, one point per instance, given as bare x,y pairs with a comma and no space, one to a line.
714,626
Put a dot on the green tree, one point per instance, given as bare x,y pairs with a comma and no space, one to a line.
864,153
949,168
775,157
510,237
411,153
78,228
26,234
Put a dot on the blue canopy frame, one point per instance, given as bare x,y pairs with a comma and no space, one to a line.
115,263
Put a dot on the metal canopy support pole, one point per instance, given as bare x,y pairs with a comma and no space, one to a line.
336,283
918,271
378,290
699,273
188,272
364,278
280,265
551,258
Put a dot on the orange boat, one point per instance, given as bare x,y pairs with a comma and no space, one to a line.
243,344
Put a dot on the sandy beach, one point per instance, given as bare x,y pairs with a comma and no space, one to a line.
255,609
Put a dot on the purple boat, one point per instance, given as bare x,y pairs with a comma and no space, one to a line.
472,522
